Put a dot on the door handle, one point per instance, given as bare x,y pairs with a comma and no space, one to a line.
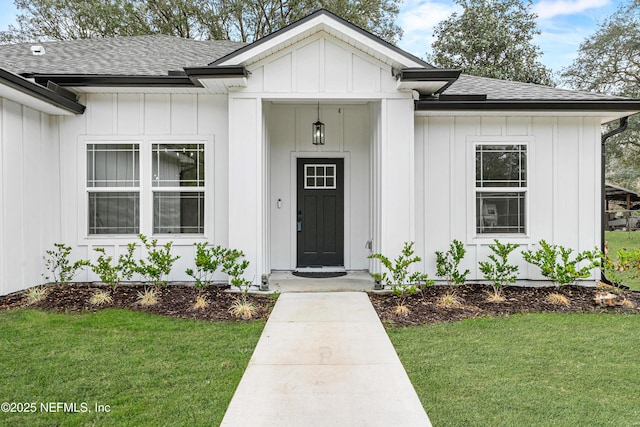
299,221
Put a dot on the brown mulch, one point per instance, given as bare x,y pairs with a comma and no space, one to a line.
177,300
174,300
424,306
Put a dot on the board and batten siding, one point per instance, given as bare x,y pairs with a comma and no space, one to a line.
144,119
29,192
563,200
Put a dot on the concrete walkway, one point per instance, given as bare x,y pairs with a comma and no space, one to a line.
324,359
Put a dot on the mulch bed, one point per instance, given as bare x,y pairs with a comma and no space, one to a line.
424,307
177,300
174,300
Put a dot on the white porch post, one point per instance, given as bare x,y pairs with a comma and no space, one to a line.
397,183
246,151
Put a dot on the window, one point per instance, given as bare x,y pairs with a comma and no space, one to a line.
501,188
113,180
171,191
178,188
319,177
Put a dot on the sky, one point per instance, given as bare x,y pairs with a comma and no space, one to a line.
564,25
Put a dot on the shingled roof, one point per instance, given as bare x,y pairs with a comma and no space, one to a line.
152,55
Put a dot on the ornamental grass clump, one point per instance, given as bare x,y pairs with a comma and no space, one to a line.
555,263
101,297
401,281
498,271
447,267
36,294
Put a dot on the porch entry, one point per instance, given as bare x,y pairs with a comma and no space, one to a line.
320,212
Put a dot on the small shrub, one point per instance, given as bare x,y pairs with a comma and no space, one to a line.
402,283
101,297
111,274
447,264
562,271
207,261
157,266
35,294
235,268
61,270
242,308
148,297
499,271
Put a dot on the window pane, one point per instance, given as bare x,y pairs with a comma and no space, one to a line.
113,165
501,166
178,212
178,165
114,213
500,213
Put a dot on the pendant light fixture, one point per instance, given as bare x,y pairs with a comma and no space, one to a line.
318,130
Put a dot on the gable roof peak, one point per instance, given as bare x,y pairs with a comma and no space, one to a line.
322,20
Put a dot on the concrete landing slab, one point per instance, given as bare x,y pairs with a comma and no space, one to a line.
354,281
324,359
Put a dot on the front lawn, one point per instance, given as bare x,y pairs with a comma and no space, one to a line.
148,369
525,370
624,240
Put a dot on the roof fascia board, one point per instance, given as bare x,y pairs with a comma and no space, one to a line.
39,92
529,105
100,80
322,20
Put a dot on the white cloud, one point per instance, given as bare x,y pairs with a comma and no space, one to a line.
417,18
547,9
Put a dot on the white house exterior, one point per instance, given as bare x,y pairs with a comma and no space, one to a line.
194,141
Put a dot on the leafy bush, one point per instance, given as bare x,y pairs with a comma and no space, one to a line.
402,283
447,264
158,263
111,274
499,271
235,269
207,261
60,268
562,271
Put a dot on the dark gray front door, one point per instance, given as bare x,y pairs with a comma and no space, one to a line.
320,212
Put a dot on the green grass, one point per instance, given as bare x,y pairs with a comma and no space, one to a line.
624,240
150,370
526,370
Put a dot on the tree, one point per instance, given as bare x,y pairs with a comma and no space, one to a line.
243,20
608,62
491,38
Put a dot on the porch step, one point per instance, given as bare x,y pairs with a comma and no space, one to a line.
284,281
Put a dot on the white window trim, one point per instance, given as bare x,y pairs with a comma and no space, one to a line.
146,190
487,238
